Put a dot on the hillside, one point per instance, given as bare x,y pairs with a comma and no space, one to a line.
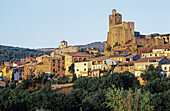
10,54
94,44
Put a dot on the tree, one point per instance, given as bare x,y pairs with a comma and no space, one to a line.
151,74
74,78
71,68
108,48
119,99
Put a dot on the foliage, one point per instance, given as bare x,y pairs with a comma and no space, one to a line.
159,85
74,78
71,68
90,94
151,74
63,80
10,54
108,48
119,99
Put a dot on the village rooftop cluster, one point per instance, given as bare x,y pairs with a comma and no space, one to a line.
125,50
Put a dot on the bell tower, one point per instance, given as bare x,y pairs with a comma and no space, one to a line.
115,18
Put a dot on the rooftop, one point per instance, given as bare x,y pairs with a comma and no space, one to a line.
79,54
149,59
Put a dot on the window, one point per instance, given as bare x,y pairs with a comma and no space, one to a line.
164,68
53,64
77,69
127,59
84,69
58,66
62,58
58,69
104,62
58,61
155,54
80,59
53,61
84,59
85,64
53,70
63,62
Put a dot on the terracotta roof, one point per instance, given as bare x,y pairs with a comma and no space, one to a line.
126,63
150,59
79,54
120,55
22,63
53,58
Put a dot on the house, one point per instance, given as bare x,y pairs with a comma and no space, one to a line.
29,69
40,58
54,65
93,49
93,68
166,69
18,73
143,64
160,52
82,68
125,66
99,67
64,48
73,57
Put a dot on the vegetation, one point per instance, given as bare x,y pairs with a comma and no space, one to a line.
10,54
109,48
117,91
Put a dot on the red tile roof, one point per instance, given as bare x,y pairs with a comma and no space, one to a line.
22,63
79,54
150,59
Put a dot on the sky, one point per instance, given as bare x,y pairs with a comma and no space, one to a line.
44,23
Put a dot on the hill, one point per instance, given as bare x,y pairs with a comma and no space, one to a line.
94,44
10,54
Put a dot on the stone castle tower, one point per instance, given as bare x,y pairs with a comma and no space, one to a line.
119,32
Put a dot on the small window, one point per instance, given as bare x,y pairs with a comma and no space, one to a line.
77,69
85,64
53,61
53,70
164,68
84,69
53,64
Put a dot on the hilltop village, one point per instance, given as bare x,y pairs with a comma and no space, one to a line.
125,50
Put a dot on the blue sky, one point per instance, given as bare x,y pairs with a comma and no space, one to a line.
44,23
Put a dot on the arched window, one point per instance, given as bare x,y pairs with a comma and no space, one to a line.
75,59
